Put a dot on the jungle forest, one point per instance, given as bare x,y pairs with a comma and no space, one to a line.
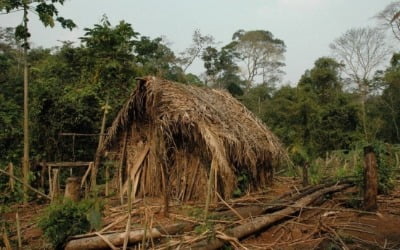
110,142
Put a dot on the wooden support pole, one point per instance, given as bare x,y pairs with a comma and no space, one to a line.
43,176
107,191
55,184
97,159
166,191
128,224
18,230
11,173
120,168
370,179
50,182
209,188
305,175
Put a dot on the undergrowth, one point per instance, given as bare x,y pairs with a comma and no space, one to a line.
341,164
61,220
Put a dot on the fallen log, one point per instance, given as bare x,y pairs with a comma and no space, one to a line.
94,241
278,204
259,223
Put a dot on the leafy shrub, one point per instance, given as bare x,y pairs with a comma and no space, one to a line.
69,218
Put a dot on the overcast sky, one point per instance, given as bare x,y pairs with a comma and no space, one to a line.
306,26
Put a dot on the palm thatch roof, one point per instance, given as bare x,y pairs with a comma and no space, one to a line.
168,128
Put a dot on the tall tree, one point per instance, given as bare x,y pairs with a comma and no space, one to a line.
362,50
221,69
260,54
390,101
154,57
11,96
390,18
48,14
324,78
110,50
110,58
199,43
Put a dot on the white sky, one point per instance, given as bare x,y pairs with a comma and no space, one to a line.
306,26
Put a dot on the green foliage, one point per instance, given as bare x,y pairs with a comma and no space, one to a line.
386,167
323,79
202,228
60,221
47,12
7,195
242,184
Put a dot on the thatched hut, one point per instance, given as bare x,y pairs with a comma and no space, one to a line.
174,136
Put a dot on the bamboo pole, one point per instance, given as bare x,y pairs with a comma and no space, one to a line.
106,107
128,223
209,188
18,230
107,181
120,167
166,193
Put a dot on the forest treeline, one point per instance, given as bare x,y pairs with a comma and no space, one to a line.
332,107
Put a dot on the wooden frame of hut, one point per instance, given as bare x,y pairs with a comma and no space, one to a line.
173,137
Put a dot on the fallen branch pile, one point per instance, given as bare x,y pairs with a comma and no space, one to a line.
257,224
240,219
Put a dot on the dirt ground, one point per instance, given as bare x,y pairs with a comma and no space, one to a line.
332,223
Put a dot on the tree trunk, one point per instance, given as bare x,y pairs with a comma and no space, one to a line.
370,179
25,168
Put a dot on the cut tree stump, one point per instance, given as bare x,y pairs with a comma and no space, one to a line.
370,179
72,189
